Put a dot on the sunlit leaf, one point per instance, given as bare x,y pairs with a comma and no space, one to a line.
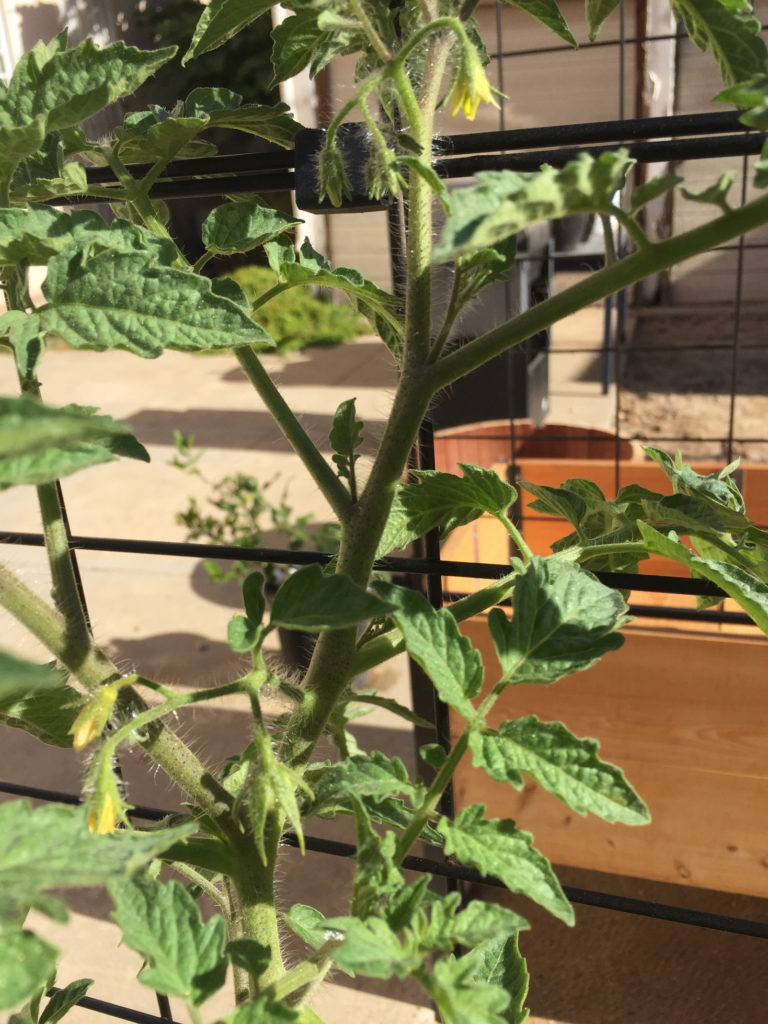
310,600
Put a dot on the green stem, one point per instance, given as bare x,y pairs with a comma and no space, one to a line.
427,810
205,885
330,486
630,225
66,592
368,27
610,247
654,258
136,194
302,979
517,537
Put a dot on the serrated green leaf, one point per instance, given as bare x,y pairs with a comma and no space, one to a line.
39,443
28,962
71,182
397,532
463,999
274,123
165,140
556,501
62,1001
564,621
18,142
371,300
20,678
220,21
563,764
242,634
311,926
377,876
299,42
480,921
503,203
372,949
728,29
495,847
241,226
75,84
715,194
753,95
47,714
498,961
445,501
119,300
652,190
163,923
374,775
50,847
549,14
310,600
432,639
716,487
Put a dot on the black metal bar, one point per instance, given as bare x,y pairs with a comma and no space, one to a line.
471,570
587,897
119,1012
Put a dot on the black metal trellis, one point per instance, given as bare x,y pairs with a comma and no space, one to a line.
648,139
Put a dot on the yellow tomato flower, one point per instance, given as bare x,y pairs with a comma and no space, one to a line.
90,723
470,89
102,814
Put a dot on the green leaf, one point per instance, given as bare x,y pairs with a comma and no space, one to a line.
463,999
274,123
751,94
117,300
377,876
47,714
253,596
597,12
310,600
727,28
549,14
18,142
445,501
266,1011
242,634
62,1001
506,202
715,194
557,501
374,775
564,765
162,922
165,140
433,640
345,437
652,190
495,847
295,42
564,621
39,443
50,847
241,226
19,678
371,300
389,704
715,487
23,332
498,961
480,921
77,83
748,591
372,949
311,926
220,21
28,962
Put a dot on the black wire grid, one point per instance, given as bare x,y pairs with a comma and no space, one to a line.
672,138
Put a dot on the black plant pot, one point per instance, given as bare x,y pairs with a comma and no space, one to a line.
569,232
